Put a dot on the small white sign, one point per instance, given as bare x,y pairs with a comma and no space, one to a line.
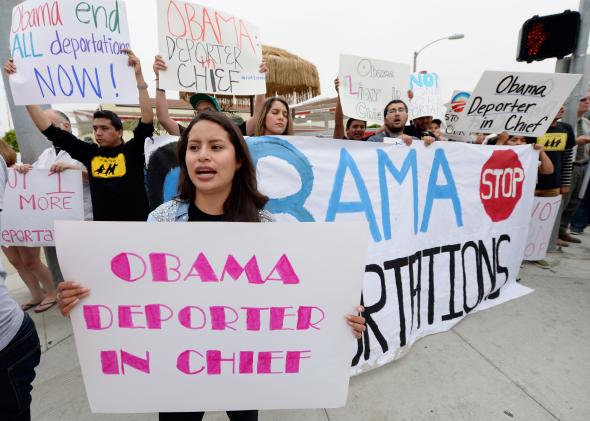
208,51
367,85
71,52
515,102
545,211
33,201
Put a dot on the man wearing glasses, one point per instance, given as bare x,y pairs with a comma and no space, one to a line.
395,116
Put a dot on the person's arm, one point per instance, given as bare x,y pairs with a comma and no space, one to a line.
258,103
546,166
147,114
161,102
338,114
357,322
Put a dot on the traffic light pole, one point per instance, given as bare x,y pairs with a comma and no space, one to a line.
579,64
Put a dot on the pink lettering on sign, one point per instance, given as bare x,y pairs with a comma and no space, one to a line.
110,362
219,320
265,362
153,315
183,363
277,318
121,266
185,317
253,317
160,268
214,360
27,236
126,317
45,14
246,362
294,361
93,319
166,267
44,203
304,321
203,270
235,270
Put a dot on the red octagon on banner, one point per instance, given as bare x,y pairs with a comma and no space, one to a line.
500,187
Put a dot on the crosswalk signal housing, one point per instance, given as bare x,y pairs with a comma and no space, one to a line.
549,36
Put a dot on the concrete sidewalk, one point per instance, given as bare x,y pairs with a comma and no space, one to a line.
523,360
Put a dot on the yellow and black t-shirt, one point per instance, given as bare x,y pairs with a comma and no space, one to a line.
558,142
116,174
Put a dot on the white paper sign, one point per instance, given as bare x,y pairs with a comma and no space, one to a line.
545,211
70,52
214,316
208,51
427,98
515,102
453,109
33,201
367,85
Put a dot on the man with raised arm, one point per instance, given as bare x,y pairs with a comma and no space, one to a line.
115,168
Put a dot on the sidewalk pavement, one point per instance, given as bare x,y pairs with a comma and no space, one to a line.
523,360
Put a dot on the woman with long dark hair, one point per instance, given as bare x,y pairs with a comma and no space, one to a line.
275,118
217,183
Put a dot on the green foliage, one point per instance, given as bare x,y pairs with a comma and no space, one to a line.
373,126
10,138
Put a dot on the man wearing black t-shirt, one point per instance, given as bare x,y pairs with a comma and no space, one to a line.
115,168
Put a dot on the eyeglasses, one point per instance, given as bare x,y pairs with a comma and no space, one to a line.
397,110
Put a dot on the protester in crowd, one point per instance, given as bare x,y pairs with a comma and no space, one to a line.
561,154
579,220
545,164
581,159
395,117
274,118
27,260
479,138
115,168
20,350
435,126
355,129
200,102
217,183
420,128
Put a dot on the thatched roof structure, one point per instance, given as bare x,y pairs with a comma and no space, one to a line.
289,76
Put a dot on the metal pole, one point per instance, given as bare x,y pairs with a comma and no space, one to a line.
30,141
578,64
415,60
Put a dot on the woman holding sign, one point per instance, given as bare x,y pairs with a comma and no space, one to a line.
217,183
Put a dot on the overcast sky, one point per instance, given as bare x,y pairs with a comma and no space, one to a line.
319,31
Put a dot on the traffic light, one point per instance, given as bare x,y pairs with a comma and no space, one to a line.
543,37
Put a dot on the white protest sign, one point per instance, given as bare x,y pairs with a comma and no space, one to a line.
33,201
448,224
367,85
71,51
515,102
427,98
214,316
454,108
545,211
208,51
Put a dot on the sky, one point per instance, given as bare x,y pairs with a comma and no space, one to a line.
319,31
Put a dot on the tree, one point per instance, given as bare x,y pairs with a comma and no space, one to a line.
10,138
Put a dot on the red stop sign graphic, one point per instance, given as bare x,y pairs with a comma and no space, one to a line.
500,186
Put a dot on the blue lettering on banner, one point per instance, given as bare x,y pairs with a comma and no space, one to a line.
410,163
335,205
441,191
423,80
261,147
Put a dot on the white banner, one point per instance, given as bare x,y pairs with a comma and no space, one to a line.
427,97
367,85
71,52
545,211
454,108
515,102
208,51
33,201
448,223
214,316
